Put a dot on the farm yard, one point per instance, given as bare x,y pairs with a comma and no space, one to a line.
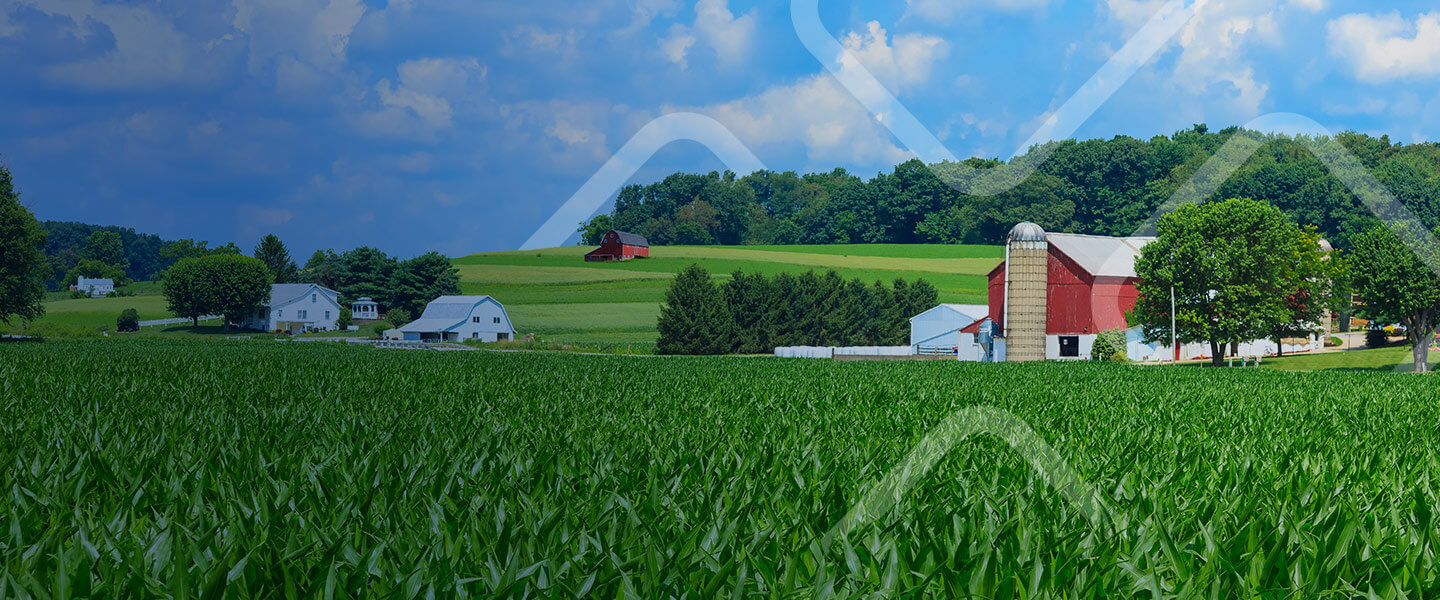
618,301
144,467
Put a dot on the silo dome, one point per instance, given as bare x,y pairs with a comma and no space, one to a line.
1325,246
1026,232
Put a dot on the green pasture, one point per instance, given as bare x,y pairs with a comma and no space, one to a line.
551,291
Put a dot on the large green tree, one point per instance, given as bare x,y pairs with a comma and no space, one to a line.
367,272
22,258
272,252
234,286
324,268
106,246
185,291
1231,265
421,279
1398,283
695,318
93,269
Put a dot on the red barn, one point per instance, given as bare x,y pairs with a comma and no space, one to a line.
619,245
1071,288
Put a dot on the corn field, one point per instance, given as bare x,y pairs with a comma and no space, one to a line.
218,469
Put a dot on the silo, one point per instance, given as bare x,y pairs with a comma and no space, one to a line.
1027,254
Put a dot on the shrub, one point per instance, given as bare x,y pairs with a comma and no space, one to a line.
1109,346
129,321
1376,338
77,294
346,318
1333,341
397,317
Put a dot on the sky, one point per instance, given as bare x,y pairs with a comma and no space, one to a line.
461,126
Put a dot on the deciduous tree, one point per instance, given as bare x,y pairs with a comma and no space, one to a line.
1397,285
22,257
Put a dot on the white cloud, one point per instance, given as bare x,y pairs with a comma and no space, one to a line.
1382,48
424,99
530,39
315,32
260,215
820,115
149,50
646,11
730,37
1213,61
1310,5
908,62
945,11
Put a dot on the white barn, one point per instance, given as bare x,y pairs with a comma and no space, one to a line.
94,286
937,331
456,318
297,308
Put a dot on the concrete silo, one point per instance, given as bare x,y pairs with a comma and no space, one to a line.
1027,254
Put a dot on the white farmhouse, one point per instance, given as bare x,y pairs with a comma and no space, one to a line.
297,308
94,286
455,318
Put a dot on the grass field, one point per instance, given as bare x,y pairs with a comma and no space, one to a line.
253,469
622,298
1383,360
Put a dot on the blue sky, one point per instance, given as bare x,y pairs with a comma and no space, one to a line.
462,125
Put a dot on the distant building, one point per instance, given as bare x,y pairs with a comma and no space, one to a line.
94,287
1056,292
297,308
365,309
619,245
938,329
456,318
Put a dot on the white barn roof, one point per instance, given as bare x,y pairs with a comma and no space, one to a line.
1099,255
445,312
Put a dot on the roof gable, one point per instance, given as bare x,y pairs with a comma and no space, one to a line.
285,293
1098,255
630,239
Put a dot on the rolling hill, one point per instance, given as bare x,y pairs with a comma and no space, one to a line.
553,292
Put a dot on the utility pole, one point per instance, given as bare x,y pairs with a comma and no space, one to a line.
1173,346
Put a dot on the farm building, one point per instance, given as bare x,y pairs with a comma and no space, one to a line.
1056,292
297,308
939,330
619,245
455,318
94,286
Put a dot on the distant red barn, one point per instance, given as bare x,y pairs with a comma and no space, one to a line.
619,245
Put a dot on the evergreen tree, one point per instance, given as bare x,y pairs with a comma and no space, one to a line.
324,268
695,318
421,279
272,252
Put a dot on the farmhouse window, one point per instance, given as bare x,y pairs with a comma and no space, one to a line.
312,298
497,320
1069,346
327,314
474,319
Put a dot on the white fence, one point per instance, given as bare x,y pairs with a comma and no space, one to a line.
833,351
175,321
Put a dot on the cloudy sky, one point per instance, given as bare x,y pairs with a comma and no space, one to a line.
462,125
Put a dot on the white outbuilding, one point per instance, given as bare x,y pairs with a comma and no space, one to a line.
365,309
937,331
297,308
456,318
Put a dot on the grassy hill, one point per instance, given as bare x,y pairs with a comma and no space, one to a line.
555,293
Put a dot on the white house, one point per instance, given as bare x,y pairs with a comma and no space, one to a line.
455,318
297,308
94,287
937,331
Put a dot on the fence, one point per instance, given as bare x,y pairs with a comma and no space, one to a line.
175,321
831,352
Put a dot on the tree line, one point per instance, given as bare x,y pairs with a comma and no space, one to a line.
1099,187
752,313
